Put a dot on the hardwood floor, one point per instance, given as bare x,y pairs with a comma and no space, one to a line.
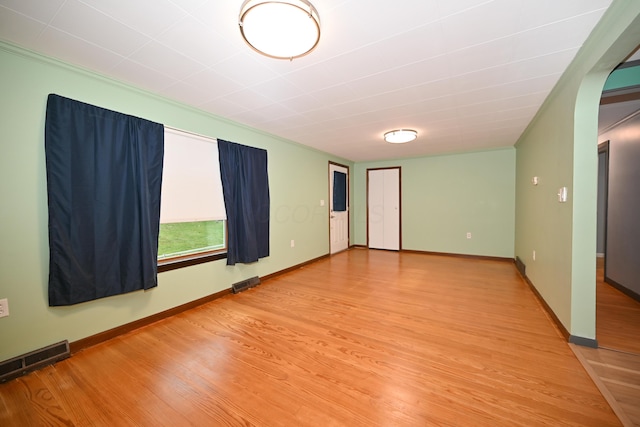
617,316
615,365
364,338
617,375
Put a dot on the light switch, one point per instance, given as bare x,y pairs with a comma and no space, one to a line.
562,194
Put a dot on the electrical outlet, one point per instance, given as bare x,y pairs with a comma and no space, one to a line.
293,243
468,235
4,307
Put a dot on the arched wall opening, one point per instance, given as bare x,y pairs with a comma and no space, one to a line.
585,171
560,148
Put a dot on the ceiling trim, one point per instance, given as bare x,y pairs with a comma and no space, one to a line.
619,122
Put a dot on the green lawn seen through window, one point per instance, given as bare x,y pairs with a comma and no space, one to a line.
186,238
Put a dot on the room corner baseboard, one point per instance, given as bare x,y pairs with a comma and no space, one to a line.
559,326
98,338
628,292
585,342
294,267
522,268
573,339
467,256
80,345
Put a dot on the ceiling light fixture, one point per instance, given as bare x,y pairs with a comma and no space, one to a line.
400,136
281,29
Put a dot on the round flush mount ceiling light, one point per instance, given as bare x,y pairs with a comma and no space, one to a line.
400,136
281,29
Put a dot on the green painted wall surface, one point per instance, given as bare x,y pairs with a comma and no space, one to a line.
444,197
622,78
298,181
545,155
560,147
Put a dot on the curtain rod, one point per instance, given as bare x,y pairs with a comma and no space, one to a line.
171,128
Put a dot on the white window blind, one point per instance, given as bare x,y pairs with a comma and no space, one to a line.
191,185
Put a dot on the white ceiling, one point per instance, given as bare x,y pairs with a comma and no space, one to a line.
611,114
466,74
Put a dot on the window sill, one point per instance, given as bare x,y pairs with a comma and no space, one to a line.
175,263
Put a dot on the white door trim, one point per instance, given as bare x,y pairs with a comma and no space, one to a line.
338,221
384,208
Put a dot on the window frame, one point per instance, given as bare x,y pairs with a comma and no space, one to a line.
188,260
181,261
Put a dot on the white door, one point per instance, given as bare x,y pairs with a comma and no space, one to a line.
338,207
383,208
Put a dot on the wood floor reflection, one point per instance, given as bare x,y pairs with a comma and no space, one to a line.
615,365
617,316
363,338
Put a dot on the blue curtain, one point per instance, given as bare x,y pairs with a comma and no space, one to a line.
245,187
339,191
104,175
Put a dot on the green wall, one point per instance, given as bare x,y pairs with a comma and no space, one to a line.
622,78
446,196
298,181
560,147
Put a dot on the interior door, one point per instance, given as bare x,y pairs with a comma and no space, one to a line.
383,208
338,207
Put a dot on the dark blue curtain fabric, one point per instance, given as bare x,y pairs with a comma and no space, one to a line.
339,191
245,187
104,175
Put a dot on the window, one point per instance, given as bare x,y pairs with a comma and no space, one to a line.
192,211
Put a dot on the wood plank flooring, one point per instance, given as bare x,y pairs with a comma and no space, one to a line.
617,316
615,365
363,338
617,375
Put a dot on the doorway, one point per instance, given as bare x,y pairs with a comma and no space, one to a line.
338,207
617,289
384,209
617,292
